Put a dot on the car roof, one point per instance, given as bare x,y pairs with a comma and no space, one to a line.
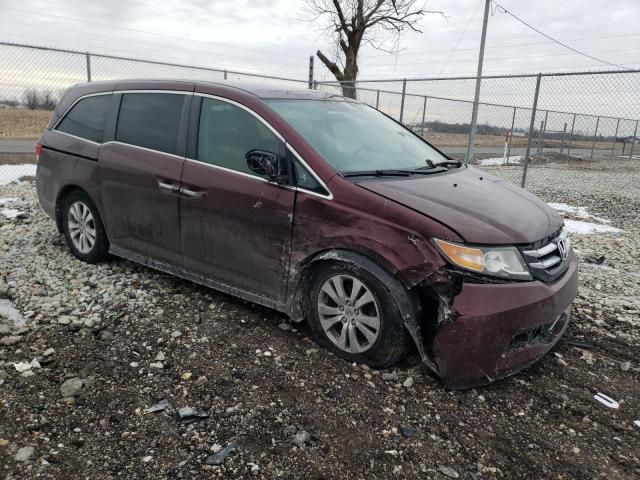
264,89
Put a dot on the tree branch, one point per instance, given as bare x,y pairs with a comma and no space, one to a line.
333,68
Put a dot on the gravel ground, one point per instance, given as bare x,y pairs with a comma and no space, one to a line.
100,344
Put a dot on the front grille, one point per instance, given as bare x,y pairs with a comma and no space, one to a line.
548,261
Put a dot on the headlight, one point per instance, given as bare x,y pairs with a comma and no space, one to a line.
502,262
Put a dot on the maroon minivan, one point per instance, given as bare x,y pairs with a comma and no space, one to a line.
318,206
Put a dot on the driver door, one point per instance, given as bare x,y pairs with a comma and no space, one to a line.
235,225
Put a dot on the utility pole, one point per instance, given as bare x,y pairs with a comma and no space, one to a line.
474,114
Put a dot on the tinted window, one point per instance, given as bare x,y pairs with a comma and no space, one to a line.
228,132
150,120
87,118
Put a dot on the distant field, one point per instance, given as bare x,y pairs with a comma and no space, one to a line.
22,123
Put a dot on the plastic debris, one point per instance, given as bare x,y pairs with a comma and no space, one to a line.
578,343
448,471
189,415
158,407
407,431
218,457
606,400
595,260
637,423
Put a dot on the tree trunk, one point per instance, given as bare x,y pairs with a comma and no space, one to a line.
347,78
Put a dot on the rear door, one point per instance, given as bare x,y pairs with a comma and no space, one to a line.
235,225
140,172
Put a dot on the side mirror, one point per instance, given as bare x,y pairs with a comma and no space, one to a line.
263,163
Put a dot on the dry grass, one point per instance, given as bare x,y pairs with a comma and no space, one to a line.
22,123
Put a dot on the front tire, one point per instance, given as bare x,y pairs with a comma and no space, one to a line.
353,314
83,229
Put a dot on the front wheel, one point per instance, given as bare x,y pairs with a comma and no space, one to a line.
353,314
83,229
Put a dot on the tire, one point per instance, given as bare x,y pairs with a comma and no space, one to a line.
392,341
83,228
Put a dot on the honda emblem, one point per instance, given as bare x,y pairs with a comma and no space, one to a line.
563,249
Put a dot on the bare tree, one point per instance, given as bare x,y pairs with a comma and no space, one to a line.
356,22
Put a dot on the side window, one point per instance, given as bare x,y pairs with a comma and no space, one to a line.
151,120
87,118
227,133
307,181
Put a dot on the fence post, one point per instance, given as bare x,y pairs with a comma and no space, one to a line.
424,113
225,74
564,132
633,141
615,139
543,130
404,92
377,99
595,136
540,134
513,122
531,125
88,57
311,72
573,124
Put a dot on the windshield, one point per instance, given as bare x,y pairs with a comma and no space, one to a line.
355,137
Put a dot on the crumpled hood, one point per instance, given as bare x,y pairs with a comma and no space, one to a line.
481,208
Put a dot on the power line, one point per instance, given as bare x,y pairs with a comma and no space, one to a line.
504,10
110,25
501,46
455,47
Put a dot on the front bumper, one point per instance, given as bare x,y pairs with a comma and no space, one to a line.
495,330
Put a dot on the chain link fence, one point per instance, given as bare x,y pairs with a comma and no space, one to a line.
32,79
547,132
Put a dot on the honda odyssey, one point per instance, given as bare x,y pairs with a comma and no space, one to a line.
318,206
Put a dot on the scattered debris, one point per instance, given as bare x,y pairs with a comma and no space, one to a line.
448,471
588,357
606,400
186,376
72,387
389,376
301,438
24,454
408,383
189,415
407,431
637,423
158,407
201,380
147,459
578,343
595,260
218,457
625,366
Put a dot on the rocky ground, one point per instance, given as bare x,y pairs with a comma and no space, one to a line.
102,347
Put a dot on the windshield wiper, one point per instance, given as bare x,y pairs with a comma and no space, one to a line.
378,173
449,163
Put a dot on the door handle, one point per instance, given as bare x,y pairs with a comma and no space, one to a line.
192,193
168,187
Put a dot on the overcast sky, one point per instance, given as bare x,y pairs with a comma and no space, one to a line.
277,36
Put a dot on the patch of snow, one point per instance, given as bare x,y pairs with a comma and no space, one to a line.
10,312
10,213
500,161
579,212
6,201
11,173
580,227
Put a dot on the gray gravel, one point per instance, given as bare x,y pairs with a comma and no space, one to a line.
102,345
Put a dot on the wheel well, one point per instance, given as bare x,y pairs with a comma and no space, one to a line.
64,193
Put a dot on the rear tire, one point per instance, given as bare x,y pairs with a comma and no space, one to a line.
83,229
353,314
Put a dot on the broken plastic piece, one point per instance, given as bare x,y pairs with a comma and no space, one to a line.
189,415
578,343
158,407
218,458
637,423
597,260
606,401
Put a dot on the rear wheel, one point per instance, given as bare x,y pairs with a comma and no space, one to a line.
83,229
354,315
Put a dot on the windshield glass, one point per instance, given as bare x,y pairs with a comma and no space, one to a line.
355,137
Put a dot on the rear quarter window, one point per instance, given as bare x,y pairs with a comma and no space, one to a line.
151,120
87,118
